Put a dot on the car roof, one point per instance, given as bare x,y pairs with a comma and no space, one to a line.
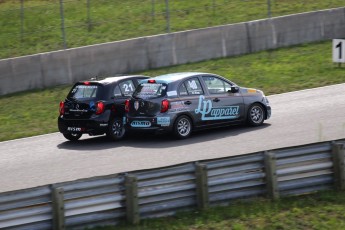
109,80
171,77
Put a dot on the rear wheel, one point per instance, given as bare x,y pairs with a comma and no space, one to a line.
116,130
256,115
72,136
182,127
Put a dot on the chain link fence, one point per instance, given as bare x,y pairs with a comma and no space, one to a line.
34,26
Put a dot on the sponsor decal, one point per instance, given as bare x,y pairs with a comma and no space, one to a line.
141,124
163,121
177,106
74,129
136,105
219,113
92,106
251,90
76,109
171,93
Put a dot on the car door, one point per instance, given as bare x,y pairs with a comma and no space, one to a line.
189,92
220,105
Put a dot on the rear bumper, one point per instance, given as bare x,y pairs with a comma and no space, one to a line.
93,127
149,125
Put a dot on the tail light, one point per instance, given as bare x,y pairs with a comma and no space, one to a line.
62,108
127,106
99,107
164,106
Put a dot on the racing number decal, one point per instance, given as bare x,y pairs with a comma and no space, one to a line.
128,87
192,84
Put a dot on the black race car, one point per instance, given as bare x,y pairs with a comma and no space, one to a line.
182,102
96,107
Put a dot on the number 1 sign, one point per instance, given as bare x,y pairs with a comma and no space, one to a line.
339,50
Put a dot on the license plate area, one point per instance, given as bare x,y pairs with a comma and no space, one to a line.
75,129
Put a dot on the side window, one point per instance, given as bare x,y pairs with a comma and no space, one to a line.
127,87
117,92
182,90
193,87
216,85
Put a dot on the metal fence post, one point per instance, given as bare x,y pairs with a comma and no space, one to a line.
201,186
153,10
58,209
63,25
214,7
89,23
271,175
269,11
338,156
21,19
167,13
132,204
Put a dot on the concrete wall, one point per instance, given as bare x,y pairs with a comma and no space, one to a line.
128,56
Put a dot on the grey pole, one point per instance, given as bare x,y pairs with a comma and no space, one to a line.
63,25
167,11
89,25
21,19
153,10
269,12
214,7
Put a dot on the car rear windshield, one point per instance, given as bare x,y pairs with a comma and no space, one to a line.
150,90
84,92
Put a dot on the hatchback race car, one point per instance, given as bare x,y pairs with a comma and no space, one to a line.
96,107
182,102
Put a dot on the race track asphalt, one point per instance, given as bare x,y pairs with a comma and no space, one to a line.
298,118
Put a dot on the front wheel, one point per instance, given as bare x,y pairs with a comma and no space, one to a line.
72,136
256,115
182,127
116,130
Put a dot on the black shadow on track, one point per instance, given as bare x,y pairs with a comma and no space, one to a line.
144,140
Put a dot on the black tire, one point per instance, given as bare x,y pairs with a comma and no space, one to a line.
182,127
72,136
256,115
116,129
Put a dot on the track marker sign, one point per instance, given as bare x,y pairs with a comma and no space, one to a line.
339,50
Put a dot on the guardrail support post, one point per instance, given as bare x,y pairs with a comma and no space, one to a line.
201,186
58,209
271,175
132,204
338,155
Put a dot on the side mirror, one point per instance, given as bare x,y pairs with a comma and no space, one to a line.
234,89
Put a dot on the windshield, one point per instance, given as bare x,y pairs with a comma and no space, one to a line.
150,90
84,92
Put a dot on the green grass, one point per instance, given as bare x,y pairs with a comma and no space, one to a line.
277,71
37,28
321,211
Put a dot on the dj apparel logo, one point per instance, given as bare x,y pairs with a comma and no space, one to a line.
221,113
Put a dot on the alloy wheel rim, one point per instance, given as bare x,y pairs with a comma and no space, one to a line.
117,129
183,127
256,114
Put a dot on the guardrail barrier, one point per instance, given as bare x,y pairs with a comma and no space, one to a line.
153,193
